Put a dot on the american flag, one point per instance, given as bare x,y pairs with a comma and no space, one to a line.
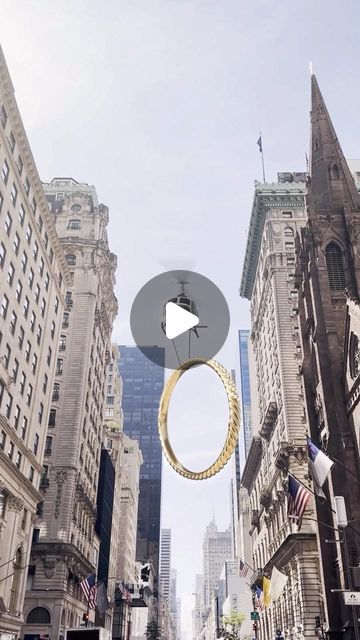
88,587
125,593
259,599
243,569
298,498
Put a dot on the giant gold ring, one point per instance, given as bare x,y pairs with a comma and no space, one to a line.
233,423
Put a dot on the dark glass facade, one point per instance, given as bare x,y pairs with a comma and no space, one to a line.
143,382
245,389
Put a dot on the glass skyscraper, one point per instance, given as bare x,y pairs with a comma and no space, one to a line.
143,382
245,389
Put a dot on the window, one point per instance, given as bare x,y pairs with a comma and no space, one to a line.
48,445
32,321
34,363
62,343
2,440
12,141
26,306
68,299
56,304
51,255
21,215
31,278
24,424
8,406
16,417
71,259
41,412
74,224
2,500
18,291
27,186
36,444
20,164
41,266
43,307
31,478
38,334
11,273
11,450
2,387
28,233
15,370
52,331
24,260
46,240
49,354
47,280
13,322
52,418
6,356
5,172
65,322
16,244
4,306
35,251
21,338
45,382
18,464
59,366
2,254
3,116
56,392
40,224
110,400
1,201
25,512
22,383
37,293
335,267
39,615
8,223
34,205
14,194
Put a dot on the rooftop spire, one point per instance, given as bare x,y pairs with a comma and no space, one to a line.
332,184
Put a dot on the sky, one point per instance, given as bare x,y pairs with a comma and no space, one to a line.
159,104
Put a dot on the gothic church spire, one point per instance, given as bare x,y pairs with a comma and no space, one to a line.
332,185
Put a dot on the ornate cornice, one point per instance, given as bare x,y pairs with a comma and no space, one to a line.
19,478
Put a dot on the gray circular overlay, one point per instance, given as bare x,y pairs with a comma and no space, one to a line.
193,292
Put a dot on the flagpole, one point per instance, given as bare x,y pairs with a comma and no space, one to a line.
262,158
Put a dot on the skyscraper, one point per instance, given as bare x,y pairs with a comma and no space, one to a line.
33,278
65,546
165,564
143,383
245,389
217,547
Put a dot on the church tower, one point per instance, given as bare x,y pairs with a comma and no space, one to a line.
328,273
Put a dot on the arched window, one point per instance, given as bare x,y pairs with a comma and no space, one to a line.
335,267
15,584
39,615
71,259
354,356
334,172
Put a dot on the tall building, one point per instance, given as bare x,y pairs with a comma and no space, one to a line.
165,564
245,389
65,546
143,383
217,547
328,281
33,278
198,618
278,404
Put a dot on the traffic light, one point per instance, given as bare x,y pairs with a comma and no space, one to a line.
85,617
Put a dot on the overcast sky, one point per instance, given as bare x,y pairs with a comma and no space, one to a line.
159,103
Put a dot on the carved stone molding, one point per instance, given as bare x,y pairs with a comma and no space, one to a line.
49,566
15,504
265,498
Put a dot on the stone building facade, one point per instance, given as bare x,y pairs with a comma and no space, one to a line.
278,409
328,280
33,277
65,547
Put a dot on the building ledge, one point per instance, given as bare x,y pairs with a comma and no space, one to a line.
269,421
68,552
252,463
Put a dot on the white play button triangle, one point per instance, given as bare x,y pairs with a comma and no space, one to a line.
178,320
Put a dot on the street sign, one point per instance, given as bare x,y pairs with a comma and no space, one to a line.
352,598
254,615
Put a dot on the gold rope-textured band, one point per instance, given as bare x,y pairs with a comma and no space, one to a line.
233,424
